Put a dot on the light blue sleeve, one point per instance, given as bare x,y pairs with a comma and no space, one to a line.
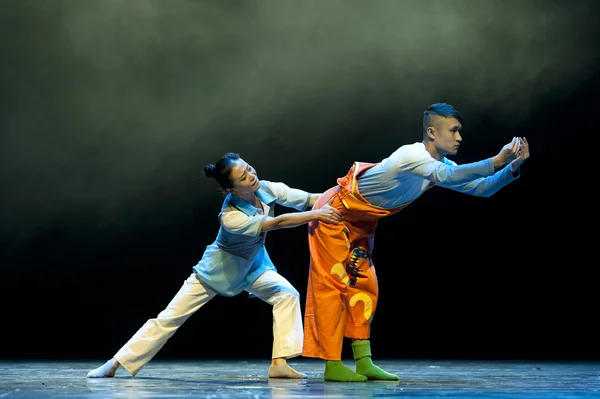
237,222
485,186
288,197
421,163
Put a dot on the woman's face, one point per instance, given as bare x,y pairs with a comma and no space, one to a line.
243,178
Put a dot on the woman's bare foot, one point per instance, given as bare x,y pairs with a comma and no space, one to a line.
280,369
108,369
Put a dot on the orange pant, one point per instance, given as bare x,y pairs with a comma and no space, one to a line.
342,286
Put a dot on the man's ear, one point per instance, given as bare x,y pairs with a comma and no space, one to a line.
431,133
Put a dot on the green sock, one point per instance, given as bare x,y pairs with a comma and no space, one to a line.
364,363
335,370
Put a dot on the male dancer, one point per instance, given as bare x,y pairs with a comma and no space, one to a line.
342,285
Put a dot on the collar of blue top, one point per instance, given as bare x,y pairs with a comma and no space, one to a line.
245,206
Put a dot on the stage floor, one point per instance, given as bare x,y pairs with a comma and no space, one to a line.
247,379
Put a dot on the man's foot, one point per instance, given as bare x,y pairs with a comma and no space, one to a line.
335,370
108,369
364,363
284,371
366,367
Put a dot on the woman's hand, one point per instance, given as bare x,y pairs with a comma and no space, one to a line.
328,214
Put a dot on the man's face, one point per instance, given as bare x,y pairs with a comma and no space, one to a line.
447,136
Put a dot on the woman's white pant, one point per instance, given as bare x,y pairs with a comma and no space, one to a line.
271,287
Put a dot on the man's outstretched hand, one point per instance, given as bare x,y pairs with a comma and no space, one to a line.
508,153
522,155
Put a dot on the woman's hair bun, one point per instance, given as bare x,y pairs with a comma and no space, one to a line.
209,170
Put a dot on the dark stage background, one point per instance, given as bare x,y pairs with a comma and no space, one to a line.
110,109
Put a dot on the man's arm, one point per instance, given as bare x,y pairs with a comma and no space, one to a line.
419,162
484,186
488,186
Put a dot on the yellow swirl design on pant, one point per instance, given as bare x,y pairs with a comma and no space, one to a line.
339,270
367,303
